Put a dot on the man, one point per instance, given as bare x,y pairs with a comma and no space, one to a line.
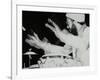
79,43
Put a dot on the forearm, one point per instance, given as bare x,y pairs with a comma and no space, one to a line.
71,40
42,45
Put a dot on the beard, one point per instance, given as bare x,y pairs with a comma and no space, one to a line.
73,30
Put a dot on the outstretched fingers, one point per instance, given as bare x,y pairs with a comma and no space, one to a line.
29,41
54,24
32,39
50,27
36,36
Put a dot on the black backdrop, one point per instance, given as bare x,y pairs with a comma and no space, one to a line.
34,21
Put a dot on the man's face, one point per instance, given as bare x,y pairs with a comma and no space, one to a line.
73,28
71,18
70,23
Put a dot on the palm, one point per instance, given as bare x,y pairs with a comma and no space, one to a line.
33,40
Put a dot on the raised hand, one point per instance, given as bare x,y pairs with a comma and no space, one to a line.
59,34
55,25
56,29
34,40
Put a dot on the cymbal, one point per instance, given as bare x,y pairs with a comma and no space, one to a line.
48,55
30,53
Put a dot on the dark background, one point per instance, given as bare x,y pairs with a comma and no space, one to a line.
34,21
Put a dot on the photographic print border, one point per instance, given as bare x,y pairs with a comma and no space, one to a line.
15,72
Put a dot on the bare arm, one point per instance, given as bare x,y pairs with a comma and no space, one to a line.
68,39
36,42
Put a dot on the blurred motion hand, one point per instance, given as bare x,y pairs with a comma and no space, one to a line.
34,41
